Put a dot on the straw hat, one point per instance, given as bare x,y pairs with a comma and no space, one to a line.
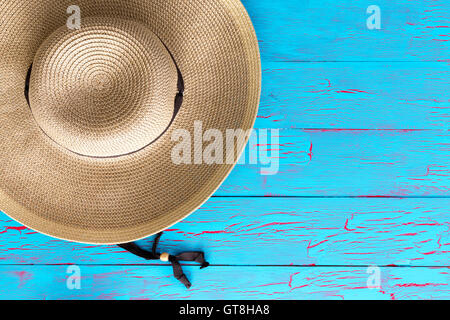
87,115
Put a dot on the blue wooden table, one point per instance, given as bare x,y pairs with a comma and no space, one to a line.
363,189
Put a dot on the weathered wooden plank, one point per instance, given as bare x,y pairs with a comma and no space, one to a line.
355,95
329,30
156,283
273,231
340,162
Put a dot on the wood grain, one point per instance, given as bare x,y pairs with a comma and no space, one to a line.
273,231
256,283
388,95
329,30
340,162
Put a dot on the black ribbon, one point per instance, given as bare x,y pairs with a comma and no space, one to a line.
198,257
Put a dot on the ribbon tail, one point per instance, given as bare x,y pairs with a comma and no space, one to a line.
178,272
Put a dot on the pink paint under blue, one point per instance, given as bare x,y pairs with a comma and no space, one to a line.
364,174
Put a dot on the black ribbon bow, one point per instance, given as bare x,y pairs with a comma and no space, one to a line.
198,257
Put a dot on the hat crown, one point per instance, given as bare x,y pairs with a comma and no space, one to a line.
105,90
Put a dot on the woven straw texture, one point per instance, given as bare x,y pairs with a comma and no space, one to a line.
88,159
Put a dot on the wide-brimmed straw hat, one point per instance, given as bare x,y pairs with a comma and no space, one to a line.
88,114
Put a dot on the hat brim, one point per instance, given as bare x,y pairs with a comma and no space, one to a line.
123,199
